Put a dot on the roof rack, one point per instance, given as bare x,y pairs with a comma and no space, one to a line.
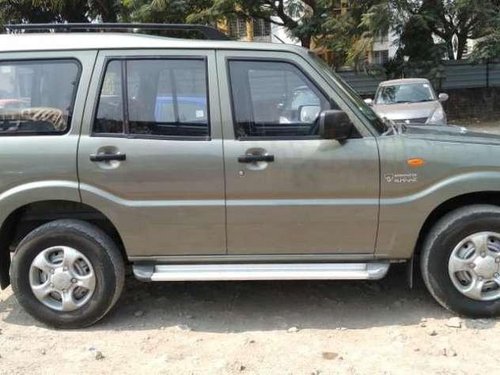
208,31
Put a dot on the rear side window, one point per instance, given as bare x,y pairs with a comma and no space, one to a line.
37,97
160,97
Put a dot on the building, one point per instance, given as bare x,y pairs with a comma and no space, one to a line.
383,48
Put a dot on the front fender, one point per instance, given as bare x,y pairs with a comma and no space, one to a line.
402,217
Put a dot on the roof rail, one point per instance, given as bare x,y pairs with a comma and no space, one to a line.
208,31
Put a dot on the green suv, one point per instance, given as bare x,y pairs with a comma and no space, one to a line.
183,160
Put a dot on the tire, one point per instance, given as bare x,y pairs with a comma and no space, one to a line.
107,273
443,241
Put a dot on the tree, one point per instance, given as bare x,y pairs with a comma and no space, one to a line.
348,36
460,19
39,11
488,47
163,11
449,20
304,19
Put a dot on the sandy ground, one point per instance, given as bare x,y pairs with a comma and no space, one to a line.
297,327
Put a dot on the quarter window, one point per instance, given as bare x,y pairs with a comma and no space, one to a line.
37,97
164,97
109,117
274,99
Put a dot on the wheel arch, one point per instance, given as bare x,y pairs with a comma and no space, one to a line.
483,197
22,220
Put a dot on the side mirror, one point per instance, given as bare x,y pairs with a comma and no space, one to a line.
334,124
309,113
443,97
369,101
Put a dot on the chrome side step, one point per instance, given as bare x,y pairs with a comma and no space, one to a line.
273,271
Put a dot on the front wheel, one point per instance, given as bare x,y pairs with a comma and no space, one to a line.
461,261
67,273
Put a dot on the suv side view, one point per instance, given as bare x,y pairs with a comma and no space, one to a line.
219,160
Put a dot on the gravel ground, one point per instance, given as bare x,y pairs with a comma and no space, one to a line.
295,327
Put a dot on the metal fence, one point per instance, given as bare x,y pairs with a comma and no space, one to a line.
454,75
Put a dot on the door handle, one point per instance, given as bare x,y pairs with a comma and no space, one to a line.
108,157
255,158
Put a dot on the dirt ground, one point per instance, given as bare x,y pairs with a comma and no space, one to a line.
295,327
299,327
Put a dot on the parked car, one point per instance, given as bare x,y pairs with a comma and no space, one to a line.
409,101
171,157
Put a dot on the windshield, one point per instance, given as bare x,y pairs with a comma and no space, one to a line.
405,93
338,81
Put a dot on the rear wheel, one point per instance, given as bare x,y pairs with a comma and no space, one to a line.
461,261
67,273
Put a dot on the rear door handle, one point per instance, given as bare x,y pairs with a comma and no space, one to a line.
108,157
255,158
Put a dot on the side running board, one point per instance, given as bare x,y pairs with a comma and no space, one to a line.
273,271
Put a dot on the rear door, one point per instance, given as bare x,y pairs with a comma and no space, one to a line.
42,98
150,154
288,191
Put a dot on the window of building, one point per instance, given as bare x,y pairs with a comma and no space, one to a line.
238,28
382,37
261,28
380,57
37,97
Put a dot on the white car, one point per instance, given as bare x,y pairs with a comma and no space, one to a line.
409,101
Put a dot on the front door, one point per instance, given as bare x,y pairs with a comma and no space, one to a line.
150,155
287,190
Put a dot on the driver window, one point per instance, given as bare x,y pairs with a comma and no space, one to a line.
274,99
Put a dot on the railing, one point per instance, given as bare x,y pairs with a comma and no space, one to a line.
453,75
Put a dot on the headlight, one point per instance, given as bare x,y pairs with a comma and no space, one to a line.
438,117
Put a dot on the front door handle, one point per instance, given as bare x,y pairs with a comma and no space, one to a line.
255,158
108,157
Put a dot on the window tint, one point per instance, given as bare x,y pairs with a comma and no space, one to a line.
37,97
274,99
109,117
165,97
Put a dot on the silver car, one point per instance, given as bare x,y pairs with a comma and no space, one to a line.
409,101
218,160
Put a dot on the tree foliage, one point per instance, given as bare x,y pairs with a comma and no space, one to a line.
162,11
488,47
304,19
32,11
349,35
313,22
452,21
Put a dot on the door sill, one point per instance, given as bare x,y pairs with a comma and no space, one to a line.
258,271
